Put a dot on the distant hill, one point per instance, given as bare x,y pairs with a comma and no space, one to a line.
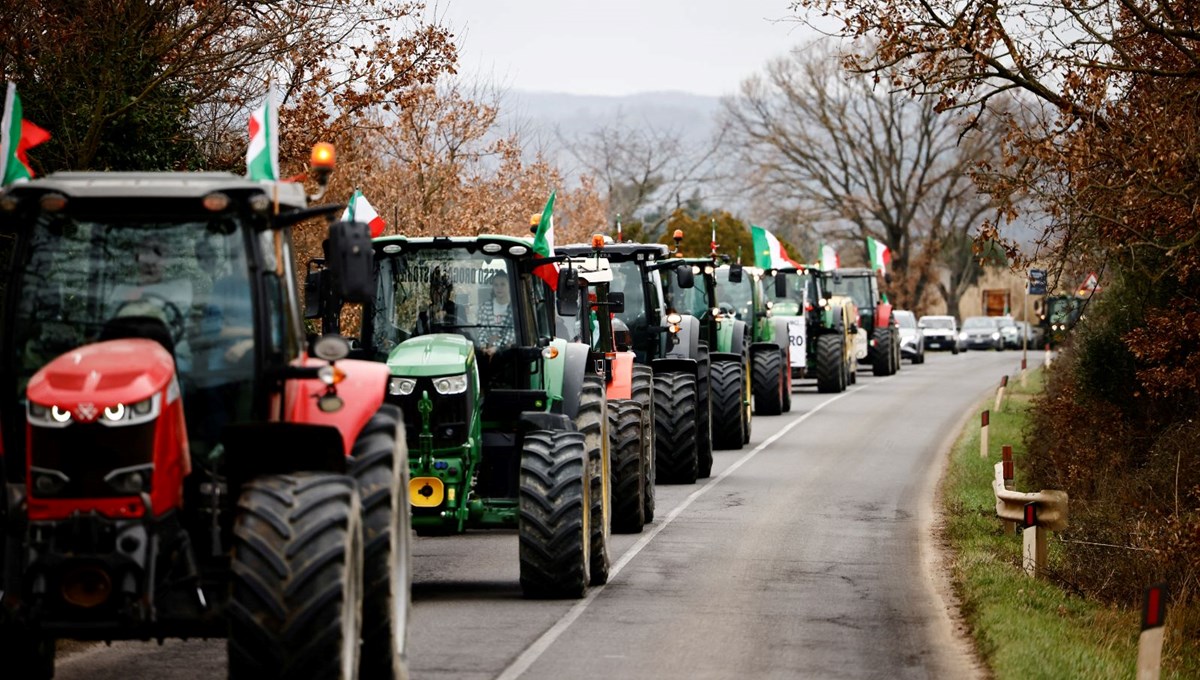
543,116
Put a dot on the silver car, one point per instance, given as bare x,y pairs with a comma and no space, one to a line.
912,337
940,332
982,332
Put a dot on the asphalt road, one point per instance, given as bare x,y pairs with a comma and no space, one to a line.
806,554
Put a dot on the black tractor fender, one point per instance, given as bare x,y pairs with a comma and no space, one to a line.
675,365
741,337
275,448
541,420
688,345
576,367
781,341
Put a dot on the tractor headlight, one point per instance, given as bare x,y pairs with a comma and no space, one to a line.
47,416
674,318
451,384
401,387
995,336
120,415
823,302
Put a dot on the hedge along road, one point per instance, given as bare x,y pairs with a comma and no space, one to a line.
803,556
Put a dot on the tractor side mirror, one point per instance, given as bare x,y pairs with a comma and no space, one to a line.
567,295
684,276
735,273
352,259
887,277
314,284
616,302
827,294
781,287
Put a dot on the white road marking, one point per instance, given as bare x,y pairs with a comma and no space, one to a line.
539,646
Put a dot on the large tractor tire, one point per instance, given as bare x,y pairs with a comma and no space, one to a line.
675,428
555,511
831,363
297,574
728,418
767,382
628,473
379,463
747,399
881,362
592,421
24,654
787,380
643,394
704,429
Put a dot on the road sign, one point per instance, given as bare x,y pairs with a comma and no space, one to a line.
1037,281
1090,285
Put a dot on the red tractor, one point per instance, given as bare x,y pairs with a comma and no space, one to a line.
180,459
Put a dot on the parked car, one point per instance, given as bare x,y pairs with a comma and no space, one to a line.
982,332
912,336
940,332
1009,332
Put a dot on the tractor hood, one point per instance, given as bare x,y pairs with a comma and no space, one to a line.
432,355
86,380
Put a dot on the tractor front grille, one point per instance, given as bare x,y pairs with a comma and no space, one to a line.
449,422
81,456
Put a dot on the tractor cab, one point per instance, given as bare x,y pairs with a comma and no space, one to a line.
490,396
154,376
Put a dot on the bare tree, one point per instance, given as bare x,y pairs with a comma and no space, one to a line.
643,170
858,161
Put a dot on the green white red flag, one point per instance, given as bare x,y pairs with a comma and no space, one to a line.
17,136
262,155
543,244
769,253
878,255
360,210
829,258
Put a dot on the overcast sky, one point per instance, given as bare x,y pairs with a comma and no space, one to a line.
619,47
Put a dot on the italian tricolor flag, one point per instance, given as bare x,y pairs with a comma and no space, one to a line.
769,252
17,135
262,156
879,255
359,210
543,244
829,258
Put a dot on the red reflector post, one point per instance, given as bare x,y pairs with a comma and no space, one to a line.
983,418
1031,514
1004,381
1154,606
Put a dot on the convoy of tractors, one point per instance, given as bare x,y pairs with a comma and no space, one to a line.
181,459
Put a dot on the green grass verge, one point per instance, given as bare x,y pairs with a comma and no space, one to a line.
1024,627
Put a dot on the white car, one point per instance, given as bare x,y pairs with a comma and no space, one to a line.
912,342
940,332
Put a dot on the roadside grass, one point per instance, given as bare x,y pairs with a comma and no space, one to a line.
1024,627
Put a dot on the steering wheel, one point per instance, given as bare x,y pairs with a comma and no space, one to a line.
172,317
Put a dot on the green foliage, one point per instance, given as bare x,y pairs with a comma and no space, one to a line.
1037,628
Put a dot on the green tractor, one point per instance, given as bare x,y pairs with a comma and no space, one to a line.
740,292
822,328
875,315
724,346
509,425
668,361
